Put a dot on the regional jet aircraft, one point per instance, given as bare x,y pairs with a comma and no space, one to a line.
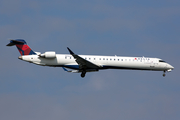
88,63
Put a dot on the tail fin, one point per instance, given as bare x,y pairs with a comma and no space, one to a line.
22,46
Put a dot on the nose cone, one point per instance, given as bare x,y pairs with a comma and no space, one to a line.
170,66
20,57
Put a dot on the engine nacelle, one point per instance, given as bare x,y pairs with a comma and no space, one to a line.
49,55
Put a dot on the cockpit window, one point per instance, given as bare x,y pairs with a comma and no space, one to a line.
161,61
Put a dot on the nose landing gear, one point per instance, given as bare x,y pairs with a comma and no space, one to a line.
164,74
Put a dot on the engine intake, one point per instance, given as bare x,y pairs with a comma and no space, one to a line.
49,55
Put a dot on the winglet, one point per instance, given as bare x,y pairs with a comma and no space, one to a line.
73,71
65,69
71,52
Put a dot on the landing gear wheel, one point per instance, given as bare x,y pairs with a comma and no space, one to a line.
164,75
83,74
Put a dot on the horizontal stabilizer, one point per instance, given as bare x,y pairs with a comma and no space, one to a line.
16,42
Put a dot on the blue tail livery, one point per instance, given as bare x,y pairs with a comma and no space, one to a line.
22,46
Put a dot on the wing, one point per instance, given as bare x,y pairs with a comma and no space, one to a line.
83,64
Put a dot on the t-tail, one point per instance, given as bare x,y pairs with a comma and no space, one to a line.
22,46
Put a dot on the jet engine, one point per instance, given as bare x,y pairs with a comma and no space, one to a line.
48,55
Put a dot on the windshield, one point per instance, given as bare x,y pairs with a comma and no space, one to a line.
161,61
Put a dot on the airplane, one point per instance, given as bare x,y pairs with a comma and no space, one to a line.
88,63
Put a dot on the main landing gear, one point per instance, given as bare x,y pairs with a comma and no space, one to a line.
164,74
83,74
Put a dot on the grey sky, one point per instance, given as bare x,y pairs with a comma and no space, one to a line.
129,28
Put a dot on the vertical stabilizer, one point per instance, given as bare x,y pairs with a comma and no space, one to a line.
22,46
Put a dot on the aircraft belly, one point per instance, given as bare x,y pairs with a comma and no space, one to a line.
128,65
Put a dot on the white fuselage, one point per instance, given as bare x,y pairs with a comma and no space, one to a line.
104,62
